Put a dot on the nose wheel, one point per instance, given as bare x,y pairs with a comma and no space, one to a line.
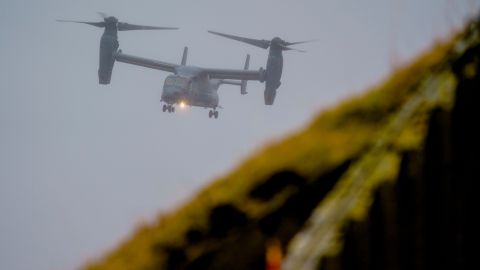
213,113
168,108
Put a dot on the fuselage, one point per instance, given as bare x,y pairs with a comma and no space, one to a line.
191,88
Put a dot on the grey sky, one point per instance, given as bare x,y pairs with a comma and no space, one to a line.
82,164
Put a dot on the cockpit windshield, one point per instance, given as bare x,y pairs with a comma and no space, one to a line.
177,81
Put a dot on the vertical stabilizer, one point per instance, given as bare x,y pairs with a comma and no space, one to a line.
184,57
243,86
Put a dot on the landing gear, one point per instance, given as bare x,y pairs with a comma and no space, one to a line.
168,108
213,113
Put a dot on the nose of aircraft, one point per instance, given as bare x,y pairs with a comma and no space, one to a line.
172,93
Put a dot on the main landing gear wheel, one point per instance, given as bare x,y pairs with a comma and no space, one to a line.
213,113
168,108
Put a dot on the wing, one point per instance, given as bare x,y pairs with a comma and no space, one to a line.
144,62
229,74
232,74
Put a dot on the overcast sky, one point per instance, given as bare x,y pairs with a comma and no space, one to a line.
82,164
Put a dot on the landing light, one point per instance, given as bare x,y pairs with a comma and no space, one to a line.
183,104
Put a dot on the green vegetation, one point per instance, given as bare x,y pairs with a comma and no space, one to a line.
336,135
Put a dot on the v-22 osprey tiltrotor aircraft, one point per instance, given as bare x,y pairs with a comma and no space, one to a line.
190,85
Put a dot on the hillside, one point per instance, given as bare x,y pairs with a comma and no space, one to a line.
377,169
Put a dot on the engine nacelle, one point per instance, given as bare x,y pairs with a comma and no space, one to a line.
108,47
270,91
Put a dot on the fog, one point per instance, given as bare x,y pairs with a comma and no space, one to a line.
82,164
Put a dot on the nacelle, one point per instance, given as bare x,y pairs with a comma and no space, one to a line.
108,48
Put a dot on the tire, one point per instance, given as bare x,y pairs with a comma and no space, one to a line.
215,114
164,108
210,114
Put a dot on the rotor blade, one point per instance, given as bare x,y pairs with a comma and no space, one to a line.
262,43
97,24
285,48
103,15
300,42
127,27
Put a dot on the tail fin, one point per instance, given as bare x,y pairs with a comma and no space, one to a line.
185,56
243,85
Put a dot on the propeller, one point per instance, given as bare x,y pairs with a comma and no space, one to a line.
265,44
121,26
262,43
97,24
285,48
103,15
